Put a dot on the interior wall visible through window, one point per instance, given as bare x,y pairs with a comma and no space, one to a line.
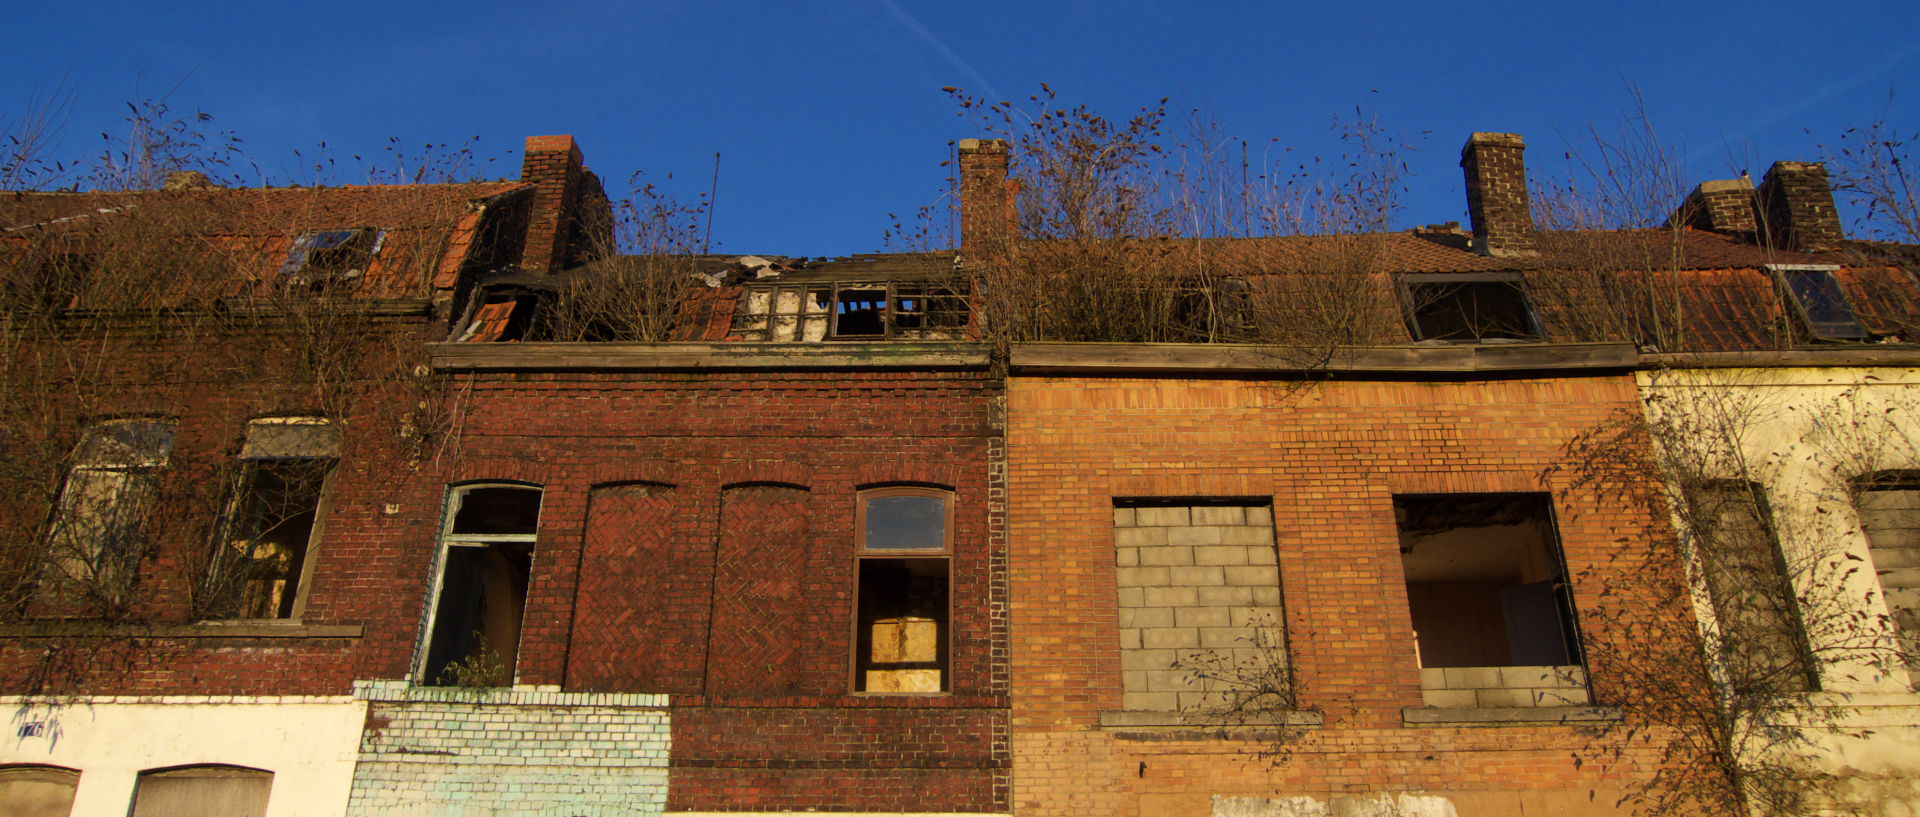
903,598
265,551
1485,581
486,565
97,535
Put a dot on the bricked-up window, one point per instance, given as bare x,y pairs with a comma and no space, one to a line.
1821,304
1889,508
1469,307
264,548
1201,622
97,536
329,259
201,791
486,561
37,791
1762,643
902,604
1485,580
901,310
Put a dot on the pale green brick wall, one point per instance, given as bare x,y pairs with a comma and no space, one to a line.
440,752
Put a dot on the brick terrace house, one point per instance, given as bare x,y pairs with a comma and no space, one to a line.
1406,573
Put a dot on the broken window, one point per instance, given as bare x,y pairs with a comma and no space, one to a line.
504,315
1485,581
851,311
329,259
1469,307
1890,514
486,563
1756,616
97,538
265,547
902,601
37,791
1818,300
195,791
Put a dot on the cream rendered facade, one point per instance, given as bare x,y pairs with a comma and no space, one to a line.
1803,435
310,744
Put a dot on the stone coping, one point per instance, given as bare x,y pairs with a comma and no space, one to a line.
1154,719
68,628
677,356
1495,716
523,695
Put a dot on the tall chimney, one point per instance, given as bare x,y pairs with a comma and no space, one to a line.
1796,202
986,197
1497,200
1722,206
554,166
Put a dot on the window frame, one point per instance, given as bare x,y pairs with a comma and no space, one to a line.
226,771
808,312
295,271
447,539
1802,645
1405,282
144,465
862,553
1848,331
243,486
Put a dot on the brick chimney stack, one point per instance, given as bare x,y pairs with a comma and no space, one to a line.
554,166
1497,199
1796,203
1723,206
986,196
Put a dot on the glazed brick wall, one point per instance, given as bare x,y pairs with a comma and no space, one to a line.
1331,456
697,539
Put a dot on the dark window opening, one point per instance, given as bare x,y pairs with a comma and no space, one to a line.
508,315
860,313
264,548
1822,306
902,626
1469,308
1889,508
331,259
1211,313
902,598
1761,639
850,311
1485,580
482,598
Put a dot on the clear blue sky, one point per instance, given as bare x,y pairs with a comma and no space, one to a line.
828,116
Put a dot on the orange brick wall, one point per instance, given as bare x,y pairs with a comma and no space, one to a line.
1331,456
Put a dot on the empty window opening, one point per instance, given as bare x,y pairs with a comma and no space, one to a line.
486,565
1757,625
97,536
196,791
1485,581
1208,313
1469,308
850,311
266,546
505,316
37,791
1890,514
903,601
1820,303
328,259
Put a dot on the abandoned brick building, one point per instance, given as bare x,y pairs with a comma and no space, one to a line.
337,517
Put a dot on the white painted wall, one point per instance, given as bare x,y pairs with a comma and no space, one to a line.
309,743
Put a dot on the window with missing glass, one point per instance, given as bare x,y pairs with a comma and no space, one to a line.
327,259
902,599
480,597
1820,303
265,546
872,310
97,536
1469,307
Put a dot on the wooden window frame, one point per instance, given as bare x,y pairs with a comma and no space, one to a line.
863,553
456,499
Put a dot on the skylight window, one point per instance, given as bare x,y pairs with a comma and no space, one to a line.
325,259
1817,297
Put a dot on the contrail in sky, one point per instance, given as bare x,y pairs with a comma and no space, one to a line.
1831,90
913,24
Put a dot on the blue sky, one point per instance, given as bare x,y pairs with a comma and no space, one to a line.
828,116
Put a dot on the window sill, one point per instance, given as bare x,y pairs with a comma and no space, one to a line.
1423,715
71,628
1140,720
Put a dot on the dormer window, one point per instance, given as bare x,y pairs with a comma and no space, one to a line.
880,310
1818,300
325,259
1469,307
